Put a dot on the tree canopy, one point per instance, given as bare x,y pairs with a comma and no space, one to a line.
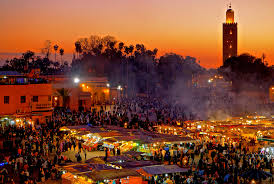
134,66
29,61
247,73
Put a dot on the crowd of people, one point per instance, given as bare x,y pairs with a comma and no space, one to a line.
214,163
29,161
38,150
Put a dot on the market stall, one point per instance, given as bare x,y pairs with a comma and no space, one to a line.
80,173
123,176
158,171
91,143
136,164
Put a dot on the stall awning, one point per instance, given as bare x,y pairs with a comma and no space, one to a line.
118,158
162,169
112,174
109,134
136,164
266,139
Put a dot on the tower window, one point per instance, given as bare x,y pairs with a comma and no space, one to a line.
230,32
230,46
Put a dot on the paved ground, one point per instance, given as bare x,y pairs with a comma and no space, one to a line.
71,154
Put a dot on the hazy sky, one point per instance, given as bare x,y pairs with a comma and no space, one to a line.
186,27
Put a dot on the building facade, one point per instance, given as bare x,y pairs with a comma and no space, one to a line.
213,81
230,36
271,94
83,94
24,99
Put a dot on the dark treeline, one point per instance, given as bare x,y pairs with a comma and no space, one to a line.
29,61
133,66
139,71
247,73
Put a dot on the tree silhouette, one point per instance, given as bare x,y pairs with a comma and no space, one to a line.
61,54
135,67
55,47
46,50
27,56
131,48
121,46
247,73
78,48
29,61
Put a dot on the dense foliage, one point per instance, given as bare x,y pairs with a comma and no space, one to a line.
134,66
247,73
138,69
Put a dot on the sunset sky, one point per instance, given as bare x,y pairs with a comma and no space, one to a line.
186,27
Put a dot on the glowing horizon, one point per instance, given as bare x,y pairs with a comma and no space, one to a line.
188,28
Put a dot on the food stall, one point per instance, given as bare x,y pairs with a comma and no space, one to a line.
123,176
158,171
97,173
91,143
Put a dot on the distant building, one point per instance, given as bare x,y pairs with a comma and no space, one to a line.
24,99
230,36
85,92
212,81
271,94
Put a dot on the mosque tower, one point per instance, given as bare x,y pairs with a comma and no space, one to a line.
230,36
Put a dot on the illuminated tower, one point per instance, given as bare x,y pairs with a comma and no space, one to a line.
230,43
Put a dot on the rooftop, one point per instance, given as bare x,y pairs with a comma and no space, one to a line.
10,73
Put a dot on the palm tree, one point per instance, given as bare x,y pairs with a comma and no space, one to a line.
47,48
126,50
138,47
55,47
121,46
61,54
131,48
263,57
78,48
64,94
27,56
56,65
155,51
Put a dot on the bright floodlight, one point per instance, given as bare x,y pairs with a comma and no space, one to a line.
108,85
119,87
76,80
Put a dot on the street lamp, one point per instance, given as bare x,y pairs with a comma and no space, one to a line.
119,93
108,85
76,80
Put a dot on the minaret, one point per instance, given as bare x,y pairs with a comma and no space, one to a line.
230,42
